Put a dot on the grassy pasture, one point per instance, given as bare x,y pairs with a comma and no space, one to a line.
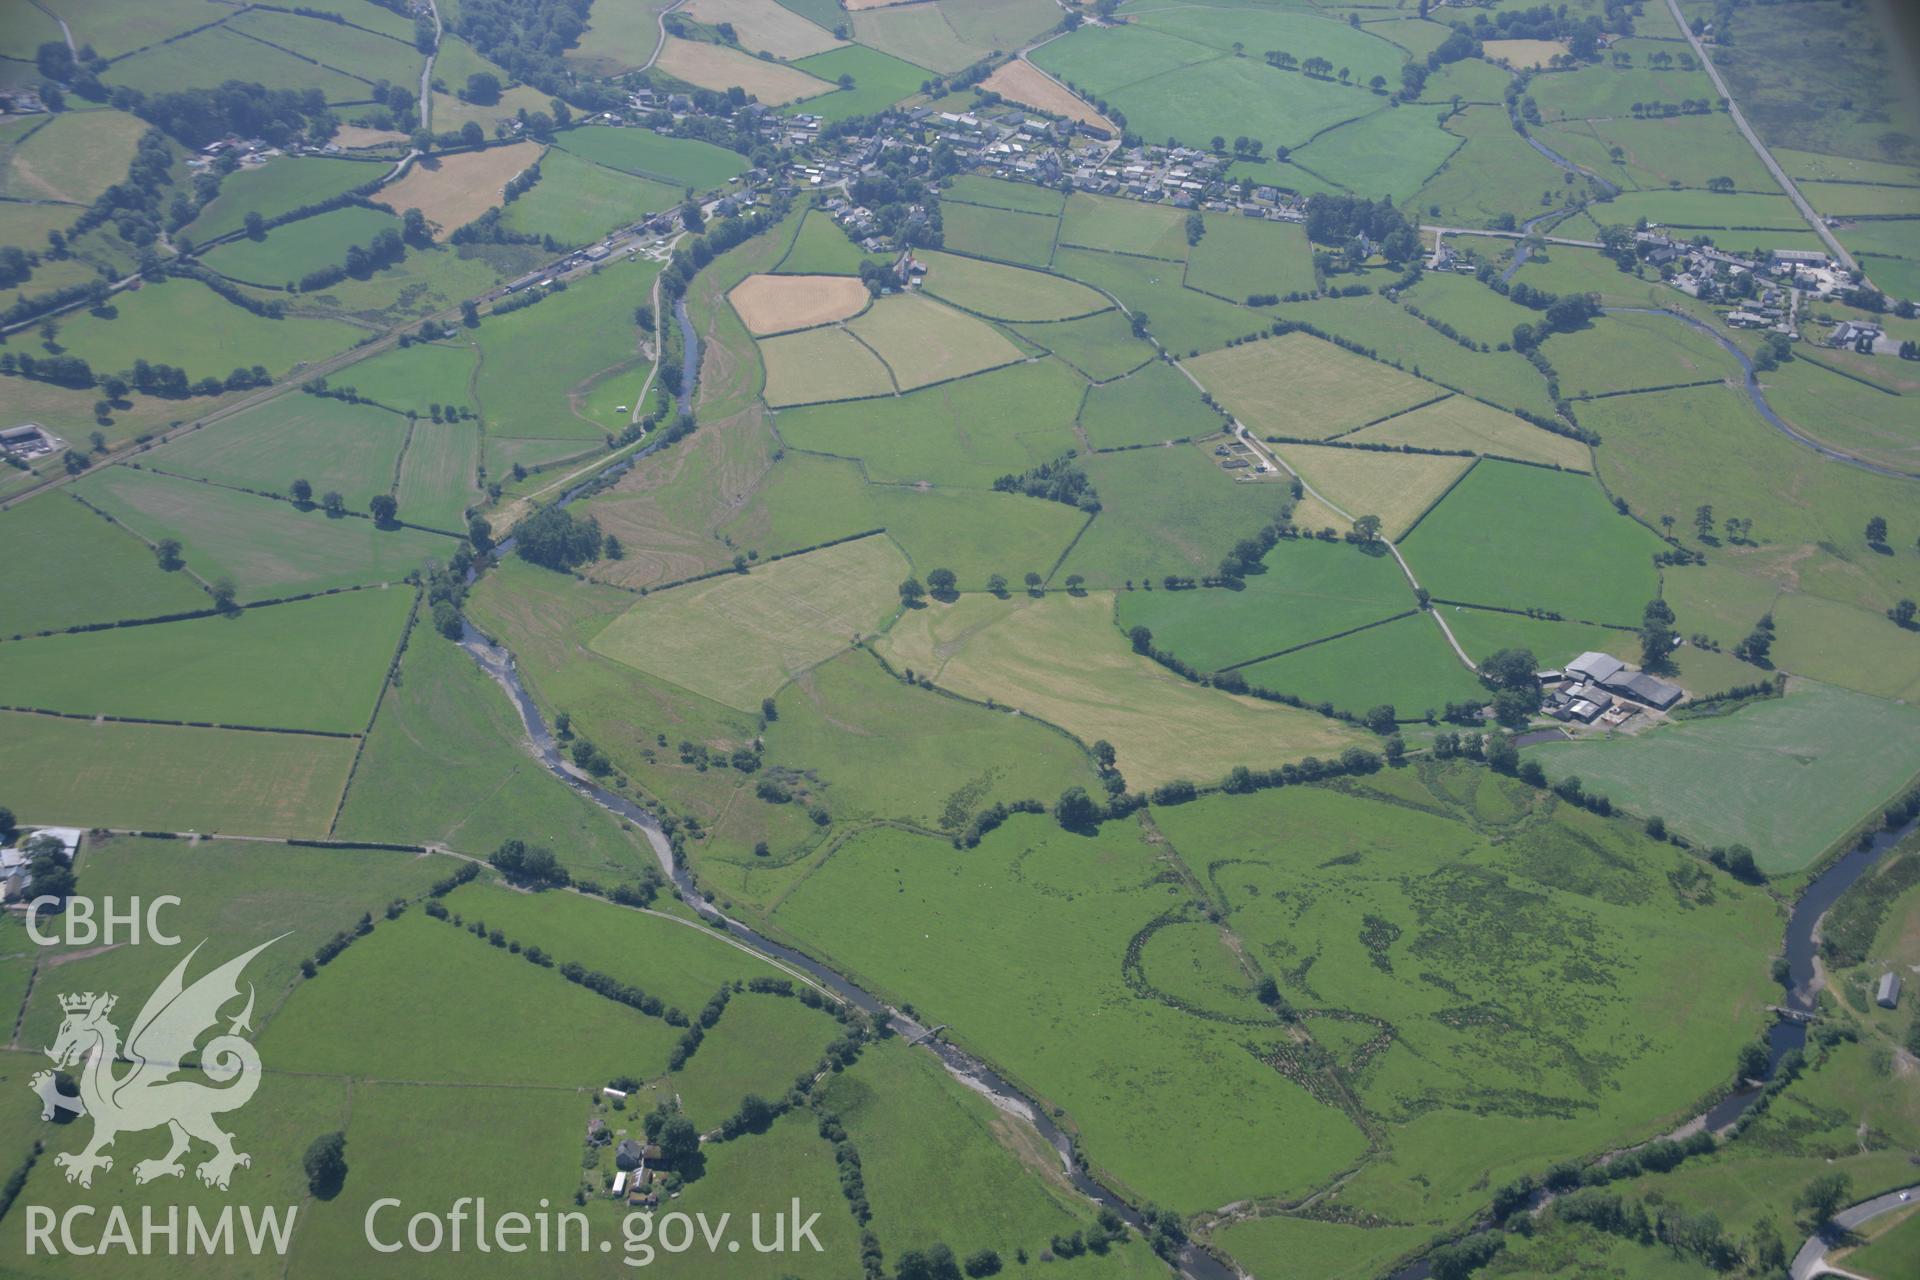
1021,197
1260,28
923,341
1379,154
577,202
1850,198
1709,210
1809,766
1502,377
1668,452
879,81
158,777
1863,420
526,385
1297,385
1314,1246
438,474
1007,293
737,639
1165,511
1685,149
1000,234
1604,90
71,158
1061,660
196,60
1462,423
332,444
1483,632
184,323
620,36
1310,590
443,765
313,664
1842,645
1631,352
681,162
759,1046
821,248
966,433
1242,256
1119,1065
1100,60
268,548
818,365
808,500
1469,306
919,34
1523,537
1819,166
1397,487
362,54
1461,876
1890,1253
289,252
1494,173
427,972
1101,346
716,67
1185,321
884,749
1152,405
66,566
943,1164
235,895
1406,664
1124,226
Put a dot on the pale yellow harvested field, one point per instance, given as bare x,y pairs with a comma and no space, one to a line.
712,67
924,341
1296,385
459,188
1523,53
1062,660
1026,84
352,137
821,364
1397,487
1461,422
765,26
780,304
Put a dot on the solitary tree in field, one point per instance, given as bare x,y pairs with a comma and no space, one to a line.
1076,810
1033,584
911,592
1877,531
1903,613
1141,639
997,584
1366,530
326,1165
1378,84
1823,1197
1076,583
383,508
1703,521
943,584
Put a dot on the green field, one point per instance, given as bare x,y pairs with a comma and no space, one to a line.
821,248
1889,1254
976,533
1467,305
1238,257
437,474
1483,632
1185,321
1494,175
1378,155
1630,352
1165,511
1708,210
420,375
1522,537
761,1044
1124,226
1150,406
817,366
879,81
1785,777
68,566
738,638
334,446
289,252
1007,293
1101,346
884,749
196,60
443,765
161,778
184,323
1310,590
1863,420
1297,385
313,664
1000,234
267,548
966,433
1061,660
1021,197
577,202
924,342
70,157
1406,665
362,54
680,162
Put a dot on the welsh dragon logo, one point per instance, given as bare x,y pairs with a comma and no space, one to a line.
147,1096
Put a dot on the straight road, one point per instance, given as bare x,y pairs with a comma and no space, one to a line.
1814,220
